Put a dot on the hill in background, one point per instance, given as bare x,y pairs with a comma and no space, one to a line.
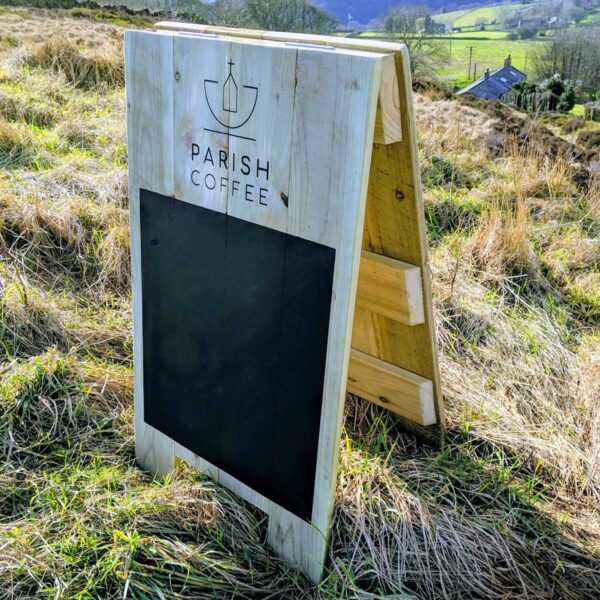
364,12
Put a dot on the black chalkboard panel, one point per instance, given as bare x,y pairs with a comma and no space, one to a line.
235,325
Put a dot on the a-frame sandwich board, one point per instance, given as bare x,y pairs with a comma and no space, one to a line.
251,157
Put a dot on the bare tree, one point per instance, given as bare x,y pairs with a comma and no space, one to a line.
574,54
195,10
230,13
290,15
407,24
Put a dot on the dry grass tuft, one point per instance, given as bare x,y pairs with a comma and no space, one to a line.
85,71
87,242
19,148
442,539
22,108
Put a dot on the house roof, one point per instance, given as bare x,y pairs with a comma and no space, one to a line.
496,84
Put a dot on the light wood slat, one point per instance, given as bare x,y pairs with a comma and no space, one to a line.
274,74
396,389
388,123
328,182
395,227
193,55
391,288
149,88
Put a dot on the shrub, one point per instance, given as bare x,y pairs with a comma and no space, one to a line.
566,102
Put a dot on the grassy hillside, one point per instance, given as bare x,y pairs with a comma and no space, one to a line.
486,54
507,509
490,48
471,17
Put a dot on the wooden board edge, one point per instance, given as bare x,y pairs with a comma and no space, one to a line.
426,273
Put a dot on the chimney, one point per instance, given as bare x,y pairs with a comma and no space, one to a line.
487,73
508,61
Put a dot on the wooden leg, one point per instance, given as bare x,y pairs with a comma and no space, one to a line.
299,543
154,451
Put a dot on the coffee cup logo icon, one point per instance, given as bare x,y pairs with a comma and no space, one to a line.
230,104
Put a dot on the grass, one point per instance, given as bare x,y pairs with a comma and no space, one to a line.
470,35
480,35
592,18
507,509
471,17
490,48
486,54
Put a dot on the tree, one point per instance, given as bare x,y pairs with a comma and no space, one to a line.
190,10
230,13
407,24
573,54
290,15
566,101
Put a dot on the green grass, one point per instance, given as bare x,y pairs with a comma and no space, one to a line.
490,48
484,35
472,35
486,54
450,17
469,18
593,17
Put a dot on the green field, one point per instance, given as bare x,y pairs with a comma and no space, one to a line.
469,18
465,35
593,18
480,35
476,36
490,48
486,54
451,16
578,110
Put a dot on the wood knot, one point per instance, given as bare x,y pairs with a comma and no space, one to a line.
177,75
284,198
383,400
399,195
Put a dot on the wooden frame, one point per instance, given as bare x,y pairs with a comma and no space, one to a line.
393,360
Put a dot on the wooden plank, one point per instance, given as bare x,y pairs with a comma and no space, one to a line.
263,196
199,148
149,86
396,389
388,123
391,288
328,180
395,227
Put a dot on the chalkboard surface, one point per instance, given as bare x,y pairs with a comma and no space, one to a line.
235,327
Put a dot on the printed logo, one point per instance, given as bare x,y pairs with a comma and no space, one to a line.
230,106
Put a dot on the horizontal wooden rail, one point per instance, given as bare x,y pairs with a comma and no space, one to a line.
398,390
391,288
